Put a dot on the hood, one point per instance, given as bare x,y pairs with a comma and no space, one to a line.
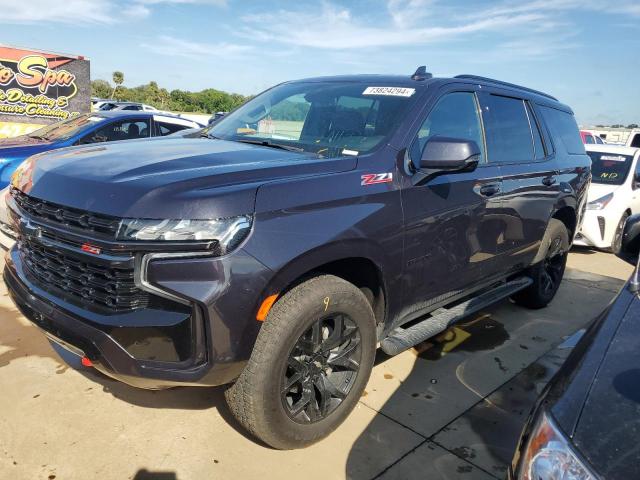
607,414
23,146
175,178
599,190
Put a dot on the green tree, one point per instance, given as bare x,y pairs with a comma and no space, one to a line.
118,79
100,88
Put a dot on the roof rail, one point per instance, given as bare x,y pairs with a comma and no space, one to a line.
506,84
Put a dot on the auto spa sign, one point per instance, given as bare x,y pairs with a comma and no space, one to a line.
38,88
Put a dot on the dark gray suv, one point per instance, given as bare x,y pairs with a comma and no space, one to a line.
278,248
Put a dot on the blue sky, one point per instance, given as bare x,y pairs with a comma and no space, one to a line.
582,51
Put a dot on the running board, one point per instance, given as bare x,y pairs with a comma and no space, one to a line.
402,339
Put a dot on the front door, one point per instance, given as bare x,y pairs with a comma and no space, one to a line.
450,232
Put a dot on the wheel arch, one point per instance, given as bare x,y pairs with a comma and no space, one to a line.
567,215
355,262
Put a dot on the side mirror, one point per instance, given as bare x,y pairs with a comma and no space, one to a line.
630,244
450,154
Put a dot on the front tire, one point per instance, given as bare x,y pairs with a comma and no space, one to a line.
309,366
548,272
616,243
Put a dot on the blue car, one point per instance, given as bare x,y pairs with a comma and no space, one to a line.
86,129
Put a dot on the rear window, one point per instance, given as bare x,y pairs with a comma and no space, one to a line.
564,130
610,168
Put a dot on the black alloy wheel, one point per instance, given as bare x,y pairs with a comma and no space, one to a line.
553,267
321,369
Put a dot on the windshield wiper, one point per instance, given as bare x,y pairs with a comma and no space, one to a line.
37,137
265,143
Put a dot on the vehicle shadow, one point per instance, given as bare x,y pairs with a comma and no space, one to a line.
180,398
20,339
467,430
144,474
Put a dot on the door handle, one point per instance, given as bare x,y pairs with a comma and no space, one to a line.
489,190
548,181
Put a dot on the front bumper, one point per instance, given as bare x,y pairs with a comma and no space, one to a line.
222,336
597,230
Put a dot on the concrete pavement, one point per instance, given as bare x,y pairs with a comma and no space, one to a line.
427,413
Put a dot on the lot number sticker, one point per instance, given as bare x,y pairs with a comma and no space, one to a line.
389,91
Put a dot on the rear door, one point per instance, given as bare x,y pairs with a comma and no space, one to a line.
529,174
450,232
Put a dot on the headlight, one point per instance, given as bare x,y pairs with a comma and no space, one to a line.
227,232
549,457
600,203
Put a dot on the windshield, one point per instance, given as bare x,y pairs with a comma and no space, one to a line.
610,168
329,119
66,128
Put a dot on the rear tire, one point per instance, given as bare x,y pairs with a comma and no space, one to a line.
309,366
548,272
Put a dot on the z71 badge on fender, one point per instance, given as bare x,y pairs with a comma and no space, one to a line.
373,178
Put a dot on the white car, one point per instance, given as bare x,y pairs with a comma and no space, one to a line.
614,194
634,138
127,106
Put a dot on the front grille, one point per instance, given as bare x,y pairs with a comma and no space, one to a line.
80,281
66,216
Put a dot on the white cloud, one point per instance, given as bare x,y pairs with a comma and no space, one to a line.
81,12
177,47
335,28
136,11
220,3
69,11
405,13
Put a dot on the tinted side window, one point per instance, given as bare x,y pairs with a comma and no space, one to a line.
455,115
564,130
598,140
537,136
122,130
636,140
169,128
509,137
588,139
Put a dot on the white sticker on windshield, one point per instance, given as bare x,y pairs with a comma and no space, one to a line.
346,151
613,158
390,91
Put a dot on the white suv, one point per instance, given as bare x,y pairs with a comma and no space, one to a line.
614,194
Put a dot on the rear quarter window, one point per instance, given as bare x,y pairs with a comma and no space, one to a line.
564,130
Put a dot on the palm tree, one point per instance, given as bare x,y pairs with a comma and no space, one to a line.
118,79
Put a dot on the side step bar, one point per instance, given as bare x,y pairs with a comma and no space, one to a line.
402,339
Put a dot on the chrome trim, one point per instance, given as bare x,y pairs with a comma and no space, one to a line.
63,344
140,273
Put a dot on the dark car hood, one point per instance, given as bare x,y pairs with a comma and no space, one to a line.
602,399
175,178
